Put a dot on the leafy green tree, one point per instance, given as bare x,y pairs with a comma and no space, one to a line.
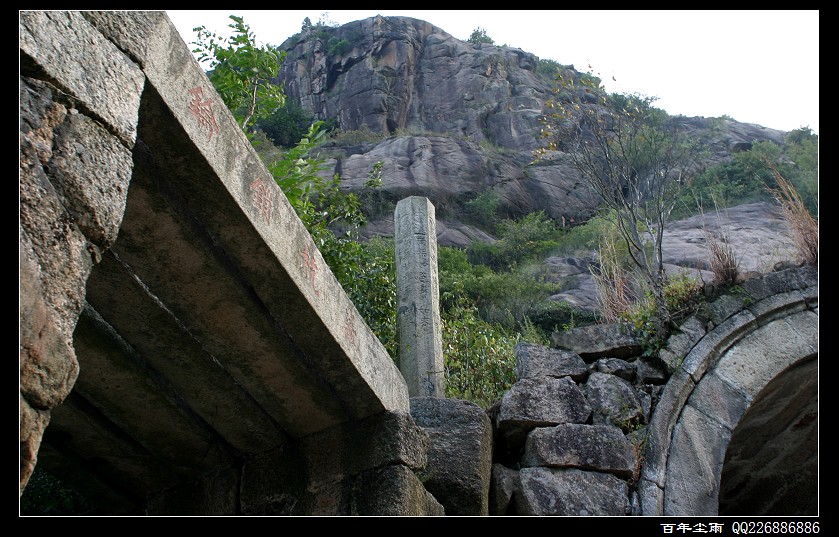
286,125
241,71
633,157
479,35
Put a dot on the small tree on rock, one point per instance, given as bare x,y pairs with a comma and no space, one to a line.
479,35
633,156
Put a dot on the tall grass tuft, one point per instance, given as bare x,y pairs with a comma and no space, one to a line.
612,281
805,228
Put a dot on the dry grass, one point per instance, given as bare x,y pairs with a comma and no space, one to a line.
805,228
723,260
612,281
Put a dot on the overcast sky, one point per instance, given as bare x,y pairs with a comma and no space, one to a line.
755,66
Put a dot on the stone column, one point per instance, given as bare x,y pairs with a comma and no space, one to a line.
418,298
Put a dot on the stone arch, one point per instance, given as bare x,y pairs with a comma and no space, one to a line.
743,377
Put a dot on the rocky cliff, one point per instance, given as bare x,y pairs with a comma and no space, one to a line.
452,120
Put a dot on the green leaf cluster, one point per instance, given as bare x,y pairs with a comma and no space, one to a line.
479,35
478,356
241,71
747,175
526,239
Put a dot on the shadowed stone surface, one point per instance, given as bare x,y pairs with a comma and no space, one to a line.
598,340
554,492
613,401
533,361
601,448
772,461
693,478
502,487
459,453
541,402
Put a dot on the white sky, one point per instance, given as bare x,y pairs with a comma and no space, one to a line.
755,66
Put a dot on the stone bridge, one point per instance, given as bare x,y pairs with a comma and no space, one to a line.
184,349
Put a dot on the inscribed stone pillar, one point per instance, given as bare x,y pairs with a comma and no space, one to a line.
418,298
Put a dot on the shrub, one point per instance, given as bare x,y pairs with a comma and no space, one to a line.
286,125
527,239
482,210
682,295
478,356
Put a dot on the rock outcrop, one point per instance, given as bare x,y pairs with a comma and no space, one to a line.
757,233
454,120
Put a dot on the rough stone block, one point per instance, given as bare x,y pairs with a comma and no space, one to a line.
542,402
459,453
762,354
724,307
601,448
675,394
694,465
617,367
68,49
705,353
598,340
91,169
680,343
649,373
719,400
534,361
48,367
32,425
613,401
348,449
273,482
650,498
60,249
778,305
502,487
133,31
779,282
392,491
555,492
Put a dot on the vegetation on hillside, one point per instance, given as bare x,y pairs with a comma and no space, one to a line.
494,295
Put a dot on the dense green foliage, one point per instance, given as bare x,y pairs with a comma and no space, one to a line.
682,295
548,68
479,35
478,355
520,241
747,175
241,71
286,125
